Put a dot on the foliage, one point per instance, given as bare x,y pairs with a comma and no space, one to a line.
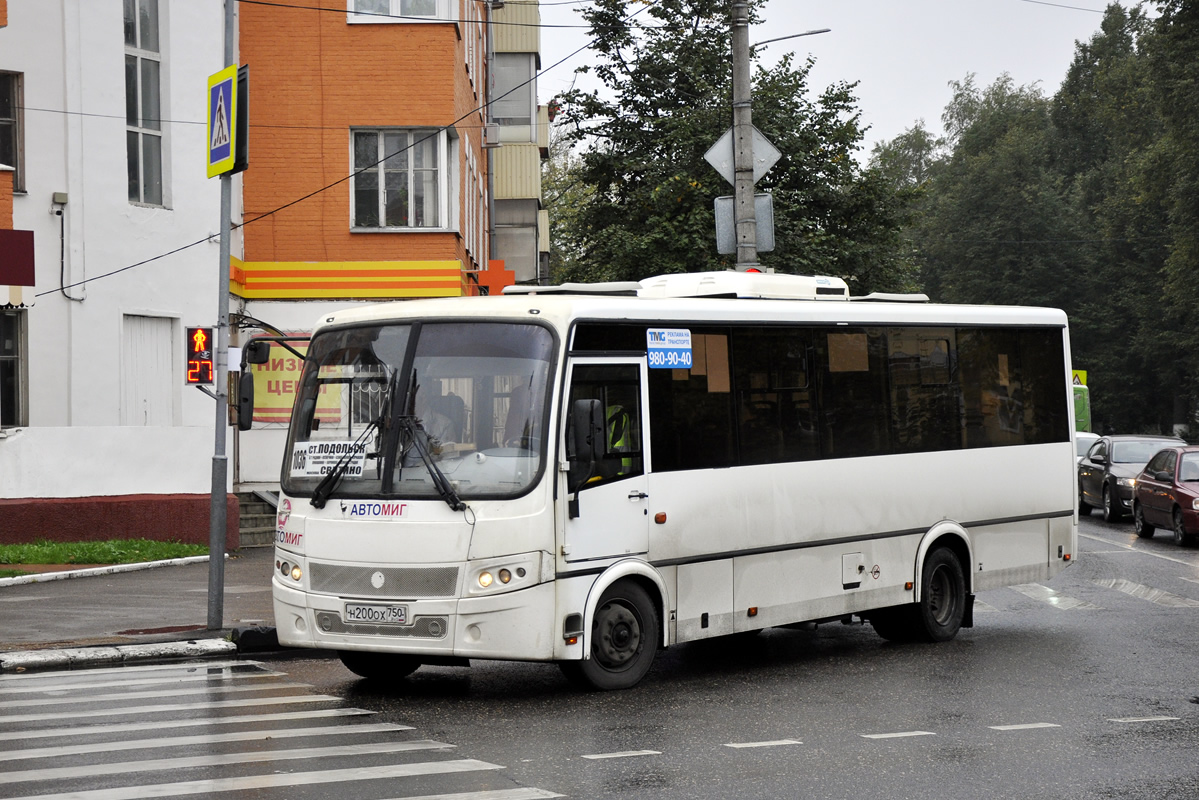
1086,201
666,99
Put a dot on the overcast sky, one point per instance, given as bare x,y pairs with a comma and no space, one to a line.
902,53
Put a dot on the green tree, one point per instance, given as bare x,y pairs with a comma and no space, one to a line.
666,98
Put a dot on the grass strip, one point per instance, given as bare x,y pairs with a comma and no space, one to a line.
114,551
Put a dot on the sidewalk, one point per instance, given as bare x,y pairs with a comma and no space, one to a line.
151,612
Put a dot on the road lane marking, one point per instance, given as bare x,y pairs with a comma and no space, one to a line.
188,741
1136,549
900,735
775,743
1143,719
625,754
979,605
1026,727
1056,599
272,781
237,719
1142,592
220,760
492,794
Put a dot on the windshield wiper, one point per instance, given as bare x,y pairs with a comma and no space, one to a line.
416,433
320,495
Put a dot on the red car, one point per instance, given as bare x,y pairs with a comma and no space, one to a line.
1167,495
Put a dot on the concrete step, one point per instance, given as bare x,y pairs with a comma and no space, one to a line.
257,537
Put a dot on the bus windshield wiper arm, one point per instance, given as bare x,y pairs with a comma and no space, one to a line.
320,495
416,434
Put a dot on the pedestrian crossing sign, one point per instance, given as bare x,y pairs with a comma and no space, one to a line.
222,122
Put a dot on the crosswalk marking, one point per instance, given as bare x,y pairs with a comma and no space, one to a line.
899,735
116,712
1144,719
77,699
211,678
1158,596
775,743
979,605
222,760
1056,599
85,677
236,719
30,753
274,780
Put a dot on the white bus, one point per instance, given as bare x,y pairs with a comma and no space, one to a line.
587,473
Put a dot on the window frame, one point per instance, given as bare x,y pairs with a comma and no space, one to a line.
141,54
20,396
443,179
394,15
17,122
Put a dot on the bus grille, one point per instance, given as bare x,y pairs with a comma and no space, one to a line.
421,628
395,582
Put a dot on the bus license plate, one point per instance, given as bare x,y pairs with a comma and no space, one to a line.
376,614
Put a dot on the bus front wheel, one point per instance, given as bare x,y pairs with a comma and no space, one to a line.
378,666
624,640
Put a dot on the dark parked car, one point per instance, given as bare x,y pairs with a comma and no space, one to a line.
1108,472
1167,495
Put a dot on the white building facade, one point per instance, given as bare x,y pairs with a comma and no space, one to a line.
100,437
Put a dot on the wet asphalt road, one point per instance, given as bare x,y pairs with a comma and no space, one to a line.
1084,687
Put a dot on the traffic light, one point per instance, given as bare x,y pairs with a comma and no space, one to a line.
200,368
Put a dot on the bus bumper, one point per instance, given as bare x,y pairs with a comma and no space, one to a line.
513,625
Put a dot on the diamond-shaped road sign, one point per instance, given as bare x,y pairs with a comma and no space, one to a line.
720,155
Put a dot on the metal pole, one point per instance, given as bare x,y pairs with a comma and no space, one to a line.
743,141
220,464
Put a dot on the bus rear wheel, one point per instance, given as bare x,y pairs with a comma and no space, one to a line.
378,666
624,640
942,605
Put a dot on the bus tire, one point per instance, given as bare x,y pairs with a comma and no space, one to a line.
378,666
942,604
624,640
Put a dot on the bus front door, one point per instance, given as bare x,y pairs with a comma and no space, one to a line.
609,505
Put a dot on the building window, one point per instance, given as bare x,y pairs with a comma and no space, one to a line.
12,369
10,127
143,109
398,181
398,10
514,96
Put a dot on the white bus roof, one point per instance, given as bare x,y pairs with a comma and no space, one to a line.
716,297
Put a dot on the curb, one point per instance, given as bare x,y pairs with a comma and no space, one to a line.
45,577
26,660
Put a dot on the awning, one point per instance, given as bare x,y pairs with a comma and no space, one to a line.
16,296
16,268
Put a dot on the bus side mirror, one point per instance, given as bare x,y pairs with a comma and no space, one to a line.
245,401
256,352
587,425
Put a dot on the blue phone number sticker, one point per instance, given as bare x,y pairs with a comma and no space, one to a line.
668,348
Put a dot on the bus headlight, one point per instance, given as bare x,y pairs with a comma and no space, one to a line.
508,574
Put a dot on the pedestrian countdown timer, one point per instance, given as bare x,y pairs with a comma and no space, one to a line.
200,368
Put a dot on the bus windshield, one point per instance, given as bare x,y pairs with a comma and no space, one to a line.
396,410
